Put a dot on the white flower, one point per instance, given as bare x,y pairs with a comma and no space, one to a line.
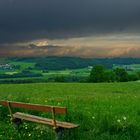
118,120
93,117
29,135
124,118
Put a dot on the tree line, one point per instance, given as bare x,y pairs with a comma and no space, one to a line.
101,74
62,63
98,74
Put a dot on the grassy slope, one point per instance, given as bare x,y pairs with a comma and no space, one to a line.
104,111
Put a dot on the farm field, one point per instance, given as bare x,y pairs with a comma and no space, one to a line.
132,67
48,73
107,111
60,69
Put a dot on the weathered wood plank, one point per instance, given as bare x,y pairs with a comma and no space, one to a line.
42,120
44,108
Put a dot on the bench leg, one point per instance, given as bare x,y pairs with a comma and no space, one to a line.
58,133
16,123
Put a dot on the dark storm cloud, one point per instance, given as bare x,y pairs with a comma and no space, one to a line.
22,20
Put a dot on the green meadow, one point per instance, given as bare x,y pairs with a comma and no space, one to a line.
106,111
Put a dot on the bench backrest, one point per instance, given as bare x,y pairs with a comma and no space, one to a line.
43,108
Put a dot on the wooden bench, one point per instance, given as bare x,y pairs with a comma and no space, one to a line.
58,126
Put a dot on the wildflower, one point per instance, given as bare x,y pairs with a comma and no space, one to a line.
124,118
26,126
93,117
29,135
59,103
118,120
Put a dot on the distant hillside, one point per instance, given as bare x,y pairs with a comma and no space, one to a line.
3,60
59,63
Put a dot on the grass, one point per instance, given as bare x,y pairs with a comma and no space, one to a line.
132,67
82,72
23,65
104,111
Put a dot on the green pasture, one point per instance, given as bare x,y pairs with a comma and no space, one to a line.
107,111
23,65
49,73
68,72
132,67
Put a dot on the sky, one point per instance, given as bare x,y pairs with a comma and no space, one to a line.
81,28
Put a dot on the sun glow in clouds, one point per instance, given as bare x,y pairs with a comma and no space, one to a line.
40,43
109,45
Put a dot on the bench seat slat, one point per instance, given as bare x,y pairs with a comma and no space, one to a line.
42,120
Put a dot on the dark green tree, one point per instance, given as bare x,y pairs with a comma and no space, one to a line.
59,79
133,77
97,74
138,73
121,75
110,76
